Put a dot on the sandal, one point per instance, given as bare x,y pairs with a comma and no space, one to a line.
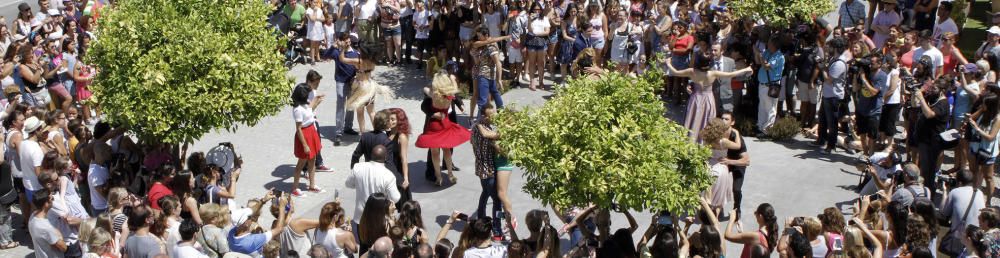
438,183
316,190
454,180
9,245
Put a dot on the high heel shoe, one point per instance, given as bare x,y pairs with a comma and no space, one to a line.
454,180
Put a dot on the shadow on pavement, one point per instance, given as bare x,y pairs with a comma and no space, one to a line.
419,182
282,174
406,83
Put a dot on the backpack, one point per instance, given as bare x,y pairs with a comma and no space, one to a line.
8,195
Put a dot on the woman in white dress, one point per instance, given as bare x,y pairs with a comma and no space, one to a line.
715,135
314,28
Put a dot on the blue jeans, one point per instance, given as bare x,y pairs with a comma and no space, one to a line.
345,118
487,87
490,192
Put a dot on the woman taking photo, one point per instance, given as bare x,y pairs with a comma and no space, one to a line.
216,190
440,133
984,126
412,224
537,42
766,235
307,142
396,155
331,233
626,47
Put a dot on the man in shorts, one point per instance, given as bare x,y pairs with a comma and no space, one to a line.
515,48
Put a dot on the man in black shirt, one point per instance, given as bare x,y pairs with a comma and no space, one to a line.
933,118
737,160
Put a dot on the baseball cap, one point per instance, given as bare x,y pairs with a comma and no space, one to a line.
240,216
31,124
994,30
970,68
54,12
23,7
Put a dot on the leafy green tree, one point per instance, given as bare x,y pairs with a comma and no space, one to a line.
604,140
173,70
780,13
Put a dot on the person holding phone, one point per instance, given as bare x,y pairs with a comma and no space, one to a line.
766,235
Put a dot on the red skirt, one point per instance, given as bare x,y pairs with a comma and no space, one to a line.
442,134
312,139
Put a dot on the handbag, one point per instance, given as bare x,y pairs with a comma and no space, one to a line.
773,88
951,245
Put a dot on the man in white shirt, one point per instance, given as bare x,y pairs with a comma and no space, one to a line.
944,22
47,240
186,247
31,155
364,12
372,177
927,49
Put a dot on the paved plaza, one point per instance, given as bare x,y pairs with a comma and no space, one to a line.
797,179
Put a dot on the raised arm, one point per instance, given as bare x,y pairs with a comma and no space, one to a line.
681,73
739,237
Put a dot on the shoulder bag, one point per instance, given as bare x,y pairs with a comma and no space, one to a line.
951,245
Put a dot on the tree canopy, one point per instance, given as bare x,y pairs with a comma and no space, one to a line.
605,140
173,70
780,13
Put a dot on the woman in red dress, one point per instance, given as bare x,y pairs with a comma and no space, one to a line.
307,143
440,132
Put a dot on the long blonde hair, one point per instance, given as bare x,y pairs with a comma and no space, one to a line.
442,86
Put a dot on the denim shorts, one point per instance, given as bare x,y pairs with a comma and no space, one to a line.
391,32
537,48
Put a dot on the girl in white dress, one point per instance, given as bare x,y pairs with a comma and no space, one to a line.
314,27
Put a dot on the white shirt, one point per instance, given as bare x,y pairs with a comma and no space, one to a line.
367,10
895,97
937,59
31,157
305,115
97,176
420,19
539,26
493,251
946,26
368,178
328,239
187,250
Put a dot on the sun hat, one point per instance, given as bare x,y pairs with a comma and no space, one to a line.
31,124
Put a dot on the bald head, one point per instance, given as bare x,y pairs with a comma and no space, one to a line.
381,248
378,153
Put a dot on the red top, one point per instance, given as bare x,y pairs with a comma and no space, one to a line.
683,43
156,192
950,61
907,60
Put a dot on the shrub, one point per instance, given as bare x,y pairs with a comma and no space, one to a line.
784,129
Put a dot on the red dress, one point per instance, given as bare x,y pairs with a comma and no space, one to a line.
442,133
312,139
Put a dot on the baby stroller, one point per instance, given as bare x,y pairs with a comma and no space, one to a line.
295,51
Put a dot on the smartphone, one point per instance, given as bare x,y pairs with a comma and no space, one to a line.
665,219
277,195
463,217
838,244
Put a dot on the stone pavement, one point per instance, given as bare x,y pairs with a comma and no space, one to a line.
797,179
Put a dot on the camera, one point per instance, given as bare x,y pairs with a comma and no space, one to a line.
859,65
910,84
631,47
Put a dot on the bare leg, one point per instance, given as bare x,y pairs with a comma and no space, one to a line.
371,112
398,47
987,173
448,162
297,173
503,180
360,114
312,173
436,163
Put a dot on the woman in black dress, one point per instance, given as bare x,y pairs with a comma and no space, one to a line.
396,158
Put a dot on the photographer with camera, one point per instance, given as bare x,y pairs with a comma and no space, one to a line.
808,59
869,86
834,84
912,187
931,122
882,172
769,78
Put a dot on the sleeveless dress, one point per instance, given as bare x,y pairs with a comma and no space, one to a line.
700,109
722,189
442,133
567,49
328,239
747,249
73,200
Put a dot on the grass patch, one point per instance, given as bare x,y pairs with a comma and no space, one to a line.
974,32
